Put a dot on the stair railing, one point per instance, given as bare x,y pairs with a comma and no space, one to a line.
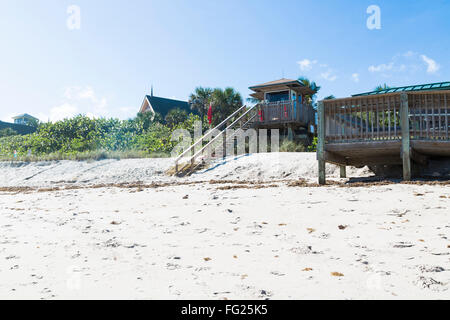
207,135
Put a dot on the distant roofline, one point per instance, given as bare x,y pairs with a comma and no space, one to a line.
175,100
24,115
420,87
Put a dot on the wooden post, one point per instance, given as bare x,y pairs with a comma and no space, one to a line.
343,171
224,135
321,142
404,120
290,133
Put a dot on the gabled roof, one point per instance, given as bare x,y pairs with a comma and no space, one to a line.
420,87
163,105
25,115
282,84
282,81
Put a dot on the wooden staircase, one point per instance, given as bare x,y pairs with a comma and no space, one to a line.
218,138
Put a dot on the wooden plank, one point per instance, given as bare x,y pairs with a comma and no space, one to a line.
334,158
321,143
393,146
367,119
395,119
378,120
439,111
343,172
446,116
384,119
432,117
378,160
404,119
418,157
427,128
361,118
371,120
389,117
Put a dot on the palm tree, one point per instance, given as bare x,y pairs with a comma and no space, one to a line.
311,85
225,102
200,100
382,87
175,116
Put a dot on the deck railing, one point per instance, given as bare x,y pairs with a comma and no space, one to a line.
429,116
378,118
285,112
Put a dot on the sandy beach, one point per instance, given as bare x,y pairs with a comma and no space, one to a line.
254,227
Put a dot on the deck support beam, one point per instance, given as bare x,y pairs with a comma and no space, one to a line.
321,143
406,137
343,172
224,144
290,133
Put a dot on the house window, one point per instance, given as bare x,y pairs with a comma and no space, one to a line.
277,96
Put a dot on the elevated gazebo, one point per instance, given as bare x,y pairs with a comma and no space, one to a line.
282,104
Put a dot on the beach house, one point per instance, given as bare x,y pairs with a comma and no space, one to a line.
25,119
162,106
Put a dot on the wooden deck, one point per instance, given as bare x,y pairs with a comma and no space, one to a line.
290,113
384,129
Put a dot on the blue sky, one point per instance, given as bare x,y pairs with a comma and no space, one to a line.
122,47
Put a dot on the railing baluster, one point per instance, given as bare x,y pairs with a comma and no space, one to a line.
446,116
378,119
439,112
427,117
371,119
367,119
349,118
361,119
432,117
389,117
395,118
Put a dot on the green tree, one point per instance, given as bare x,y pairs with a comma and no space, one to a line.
311,85
382,87
330,97
225,102
175,117
7,132
33,123
144,120
200,100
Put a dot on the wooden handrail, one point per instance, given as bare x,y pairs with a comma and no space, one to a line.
220,134
224,122
208,133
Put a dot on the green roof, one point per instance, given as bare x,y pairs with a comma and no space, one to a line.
163,105
420,87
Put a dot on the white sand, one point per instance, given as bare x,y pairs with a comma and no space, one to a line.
278,243
257,167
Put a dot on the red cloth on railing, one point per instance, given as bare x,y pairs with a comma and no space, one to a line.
285,112
261,115
210,114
